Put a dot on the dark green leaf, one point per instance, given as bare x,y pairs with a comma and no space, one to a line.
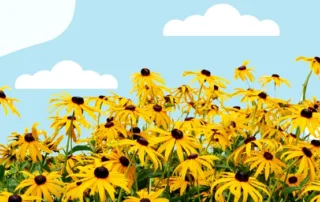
289,190
2,169
80,148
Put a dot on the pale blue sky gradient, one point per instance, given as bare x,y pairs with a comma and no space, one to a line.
119,38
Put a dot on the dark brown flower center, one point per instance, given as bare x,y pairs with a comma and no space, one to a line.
316,106
29,137
315,143
242,68
135,136
104,159
293,135
14,198
307,152
102,97
306,113
130,108
136,130
157,108
145,72
177,134
145,200
312,109
293,179
237,107
215,87
233,124
275,75
109,119
317,59
192,156
205,72
70,117
101,172
40,179
109,124
249,139
242,177
78,183
2,94
124,161
262,95
142,141
268,156
188,119
77,100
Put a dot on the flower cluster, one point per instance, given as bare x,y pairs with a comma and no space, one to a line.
171,144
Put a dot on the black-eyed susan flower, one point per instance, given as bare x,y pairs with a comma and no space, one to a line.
120,163
291,180
206,76
304,119
195,165
277,80
312,186
53,141
182,184
75,104
158,115
42,185
6,102
303,157
185,93
145,196
66,121
314,63
72,191
129,114
243,72
11,197
7,155
239,184
177,139
29,143
101,179
110,130
142,147
149,95
100,101
265,162
147,77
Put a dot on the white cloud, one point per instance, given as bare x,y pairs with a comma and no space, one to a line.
25,23
221,20
66,75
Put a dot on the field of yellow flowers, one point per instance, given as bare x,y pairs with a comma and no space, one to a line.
141,153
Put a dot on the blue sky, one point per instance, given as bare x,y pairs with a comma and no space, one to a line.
120,38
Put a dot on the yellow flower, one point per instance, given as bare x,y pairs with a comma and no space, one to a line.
158,115
11,197
314,63
30,144
7,155
239,183
265,161
129,114
142,146
110,130
8,102
42,185
275,78
302,156
179,183
204,76
101,179
195,164
146,77
100,101
243,72
313,186
145,196
185,93
75,104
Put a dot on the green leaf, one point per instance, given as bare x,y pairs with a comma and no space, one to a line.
80,148
2,170
289,190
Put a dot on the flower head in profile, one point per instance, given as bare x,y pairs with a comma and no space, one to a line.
205,76
75,104
6,102
277,80
243,72
314,63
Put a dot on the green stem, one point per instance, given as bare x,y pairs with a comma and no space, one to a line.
68,143
304,86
